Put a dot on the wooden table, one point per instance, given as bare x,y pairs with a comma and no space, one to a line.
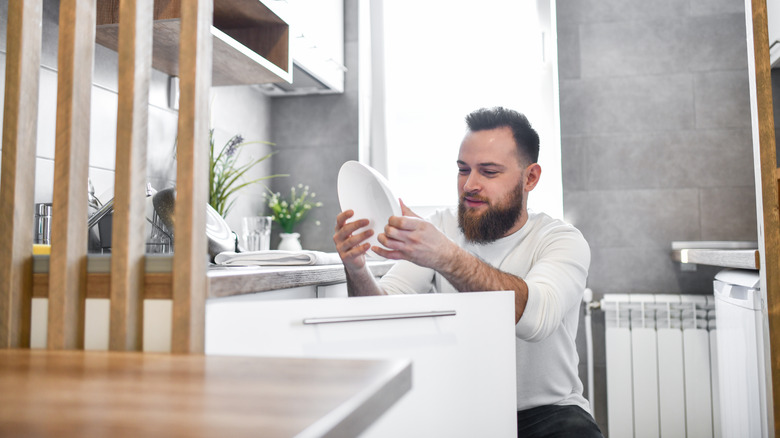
76,393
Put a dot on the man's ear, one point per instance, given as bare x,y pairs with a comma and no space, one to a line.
532,175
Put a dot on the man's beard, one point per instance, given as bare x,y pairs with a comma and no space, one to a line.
492,224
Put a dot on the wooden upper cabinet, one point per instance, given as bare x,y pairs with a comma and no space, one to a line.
251,42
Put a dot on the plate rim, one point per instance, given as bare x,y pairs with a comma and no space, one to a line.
380,179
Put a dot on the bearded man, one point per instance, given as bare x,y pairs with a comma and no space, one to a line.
495,243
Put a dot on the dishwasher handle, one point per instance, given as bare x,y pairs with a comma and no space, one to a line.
740,296
381,317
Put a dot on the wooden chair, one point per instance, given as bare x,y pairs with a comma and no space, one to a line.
67,265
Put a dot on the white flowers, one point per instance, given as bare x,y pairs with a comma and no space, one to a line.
289,213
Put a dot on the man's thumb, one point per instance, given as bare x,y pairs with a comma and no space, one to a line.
406,211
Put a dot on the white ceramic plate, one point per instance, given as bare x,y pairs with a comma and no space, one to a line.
368,193
220,237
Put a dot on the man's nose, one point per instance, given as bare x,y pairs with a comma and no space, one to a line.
472,183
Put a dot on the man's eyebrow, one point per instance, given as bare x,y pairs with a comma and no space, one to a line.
486,164
491,164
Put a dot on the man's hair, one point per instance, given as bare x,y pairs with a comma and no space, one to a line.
525,136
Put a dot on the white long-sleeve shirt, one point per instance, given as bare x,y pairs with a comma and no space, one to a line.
553,259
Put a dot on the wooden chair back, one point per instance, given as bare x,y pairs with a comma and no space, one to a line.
67,264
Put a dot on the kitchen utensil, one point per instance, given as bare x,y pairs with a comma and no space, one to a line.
220,236
42,224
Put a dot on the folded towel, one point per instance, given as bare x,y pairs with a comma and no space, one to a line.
277,258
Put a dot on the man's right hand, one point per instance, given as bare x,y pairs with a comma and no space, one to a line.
352,248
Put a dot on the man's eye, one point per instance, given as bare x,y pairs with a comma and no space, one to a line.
463,171
489,172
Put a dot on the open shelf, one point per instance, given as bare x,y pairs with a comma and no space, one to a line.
251,44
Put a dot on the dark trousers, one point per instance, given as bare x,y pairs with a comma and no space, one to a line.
556,421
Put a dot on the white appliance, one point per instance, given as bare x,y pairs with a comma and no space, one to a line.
740,308
462,348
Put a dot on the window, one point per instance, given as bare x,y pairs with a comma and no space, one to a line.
444,59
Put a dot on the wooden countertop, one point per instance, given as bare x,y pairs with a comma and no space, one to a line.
83,394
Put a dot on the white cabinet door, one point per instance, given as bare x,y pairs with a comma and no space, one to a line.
462,348
338,290
317,45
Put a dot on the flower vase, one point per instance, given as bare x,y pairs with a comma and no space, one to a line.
290,242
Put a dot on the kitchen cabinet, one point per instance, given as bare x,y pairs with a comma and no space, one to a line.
462,348
235,284
317,47
338,290
251,43
773,25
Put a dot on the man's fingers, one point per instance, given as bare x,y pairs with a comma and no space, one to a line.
390,236
358,250
346,243
389,243
346,230
388,254
342,217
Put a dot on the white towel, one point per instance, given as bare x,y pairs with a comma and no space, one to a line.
277,258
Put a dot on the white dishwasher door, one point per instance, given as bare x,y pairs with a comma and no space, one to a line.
462,348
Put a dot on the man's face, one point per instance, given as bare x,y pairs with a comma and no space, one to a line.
492,185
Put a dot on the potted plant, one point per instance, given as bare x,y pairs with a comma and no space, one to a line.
289,212
226,175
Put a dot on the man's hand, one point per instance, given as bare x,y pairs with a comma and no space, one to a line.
352,249
349,246
411,238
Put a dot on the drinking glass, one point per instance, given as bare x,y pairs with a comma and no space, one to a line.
257,233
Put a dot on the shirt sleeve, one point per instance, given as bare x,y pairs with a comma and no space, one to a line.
556,283
407,278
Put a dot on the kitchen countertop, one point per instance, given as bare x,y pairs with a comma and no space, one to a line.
78,393
235,280
223,281
727,254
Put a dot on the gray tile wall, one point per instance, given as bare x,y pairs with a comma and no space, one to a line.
315,135
656,141
235,110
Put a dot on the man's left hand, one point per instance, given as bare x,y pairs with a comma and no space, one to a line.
411,238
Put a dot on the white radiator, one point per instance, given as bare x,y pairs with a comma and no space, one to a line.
661,360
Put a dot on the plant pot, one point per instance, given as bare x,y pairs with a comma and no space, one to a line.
290,242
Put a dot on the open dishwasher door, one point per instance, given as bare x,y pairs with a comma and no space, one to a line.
462,348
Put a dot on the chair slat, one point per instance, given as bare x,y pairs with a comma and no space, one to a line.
67,265
129,221
20,119
189,258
